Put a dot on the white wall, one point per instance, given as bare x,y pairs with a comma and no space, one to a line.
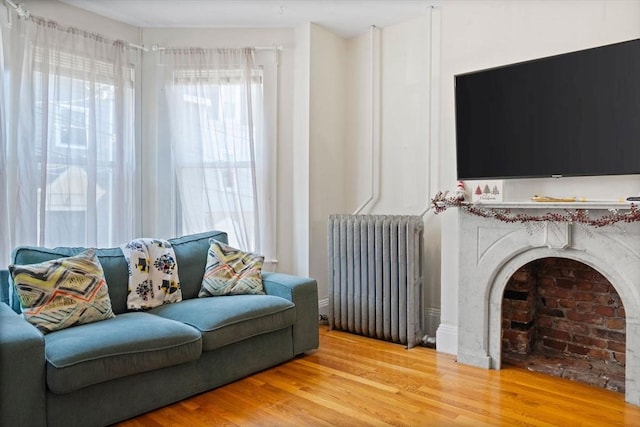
403,66
407,164
359,147
482,34
327,161
405,111
300,166
403,158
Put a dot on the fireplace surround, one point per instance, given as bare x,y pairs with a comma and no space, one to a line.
491,251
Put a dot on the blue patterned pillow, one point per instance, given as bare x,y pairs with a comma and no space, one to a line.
230,271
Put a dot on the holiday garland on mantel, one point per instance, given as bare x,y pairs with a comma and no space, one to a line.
441,202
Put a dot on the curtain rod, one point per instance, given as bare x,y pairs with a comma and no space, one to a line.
155,47
274,47
137,46
24,13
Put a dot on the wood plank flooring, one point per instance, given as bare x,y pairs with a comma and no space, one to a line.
358,381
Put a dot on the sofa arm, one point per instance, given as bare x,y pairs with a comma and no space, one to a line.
303,292
22,369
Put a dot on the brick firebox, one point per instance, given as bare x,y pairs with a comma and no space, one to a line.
563,318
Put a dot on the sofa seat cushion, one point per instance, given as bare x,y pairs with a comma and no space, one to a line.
227,319
127,344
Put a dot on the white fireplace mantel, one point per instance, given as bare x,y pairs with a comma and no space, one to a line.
491,251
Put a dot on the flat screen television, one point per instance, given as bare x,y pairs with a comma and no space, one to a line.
574,114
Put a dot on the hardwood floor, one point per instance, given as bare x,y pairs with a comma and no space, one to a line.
358,381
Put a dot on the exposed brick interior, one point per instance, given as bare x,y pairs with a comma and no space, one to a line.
564,318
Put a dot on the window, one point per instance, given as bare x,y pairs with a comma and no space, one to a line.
67,148
77,151
224,155
220,150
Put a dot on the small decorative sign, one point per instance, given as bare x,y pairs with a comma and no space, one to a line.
486,191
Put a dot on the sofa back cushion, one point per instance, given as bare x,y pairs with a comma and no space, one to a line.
191,256
5,293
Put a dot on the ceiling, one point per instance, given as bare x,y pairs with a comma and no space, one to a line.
347,18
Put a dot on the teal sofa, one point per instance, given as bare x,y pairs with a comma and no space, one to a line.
104,372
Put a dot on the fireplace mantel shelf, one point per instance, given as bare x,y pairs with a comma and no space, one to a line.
527,204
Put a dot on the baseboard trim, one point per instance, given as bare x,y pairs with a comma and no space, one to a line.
323,306
447,339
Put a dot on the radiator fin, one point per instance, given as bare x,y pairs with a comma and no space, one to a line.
375,276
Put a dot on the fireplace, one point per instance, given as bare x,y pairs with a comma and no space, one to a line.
492,251
563,318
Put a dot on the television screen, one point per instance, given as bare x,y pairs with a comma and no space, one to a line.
575,114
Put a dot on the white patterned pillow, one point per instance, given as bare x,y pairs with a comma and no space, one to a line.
63,292
230,271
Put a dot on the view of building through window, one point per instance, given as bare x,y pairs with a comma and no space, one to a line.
76,145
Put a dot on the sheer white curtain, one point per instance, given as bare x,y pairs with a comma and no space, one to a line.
4,220
68,172
215,109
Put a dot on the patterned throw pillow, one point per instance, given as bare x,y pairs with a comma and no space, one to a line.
63,292
230,271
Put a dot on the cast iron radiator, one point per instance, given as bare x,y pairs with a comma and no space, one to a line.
375,276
